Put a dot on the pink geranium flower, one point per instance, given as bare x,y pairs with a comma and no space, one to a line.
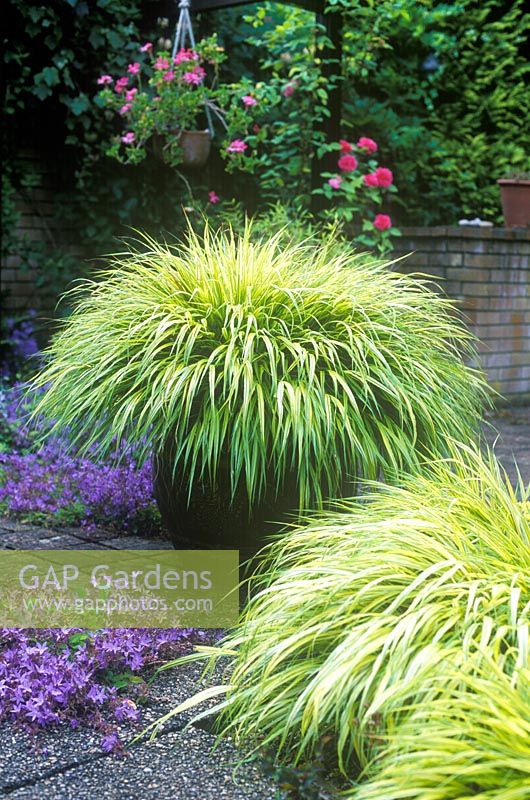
248,100
161,63
335,182
382,222
104,79
125,108
384,176
146,48
121,83
371,180
128,138
213,197
345,147
184,55
133,69
347,163
129,95
367,144
169,75
237,146
195,77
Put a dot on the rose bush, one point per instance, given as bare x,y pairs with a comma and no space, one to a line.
358,191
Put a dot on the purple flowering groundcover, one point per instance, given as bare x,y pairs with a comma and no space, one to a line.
50,484
78,677
73,676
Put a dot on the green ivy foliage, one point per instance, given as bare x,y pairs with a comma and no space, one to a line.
53,52
442,87
53,55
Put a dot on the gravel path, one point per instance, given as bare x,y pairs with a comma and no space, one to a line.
179,764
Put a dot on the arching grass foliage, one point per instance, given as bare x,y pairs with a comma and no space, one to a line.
398,627
275,359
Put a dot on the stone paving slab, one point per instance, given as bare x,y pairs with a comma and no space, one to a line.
19,536
135,543
26,758
21,540
94,535
35,541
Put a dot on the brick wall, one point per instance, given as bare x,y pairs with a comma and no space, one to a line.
35,209
39,227
488,271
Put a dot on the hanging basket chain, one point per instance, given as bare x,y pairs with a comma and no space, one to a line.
183,31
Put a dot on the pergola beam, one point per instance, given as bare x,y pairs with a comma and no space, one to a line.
316,6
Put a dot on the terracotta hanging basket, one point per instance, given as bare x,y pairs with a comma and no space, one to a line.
195,146
515,197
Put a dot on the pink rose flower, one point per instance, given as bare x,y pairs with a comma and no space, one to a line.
104,79
120,85
382,222
237,146
345,147
128,138
133,69
161,63
384,176
367,144
195,77
169,75
125,108
213,197
371,180
335,182
347,163
129,95
146,48
248,100
290,88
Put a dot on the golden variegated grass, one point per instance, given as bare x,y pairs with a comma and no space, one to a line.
397,626
470,740
300,359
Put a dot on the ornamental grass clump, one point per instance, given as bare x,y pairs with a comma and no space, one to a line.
259,368
397,628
